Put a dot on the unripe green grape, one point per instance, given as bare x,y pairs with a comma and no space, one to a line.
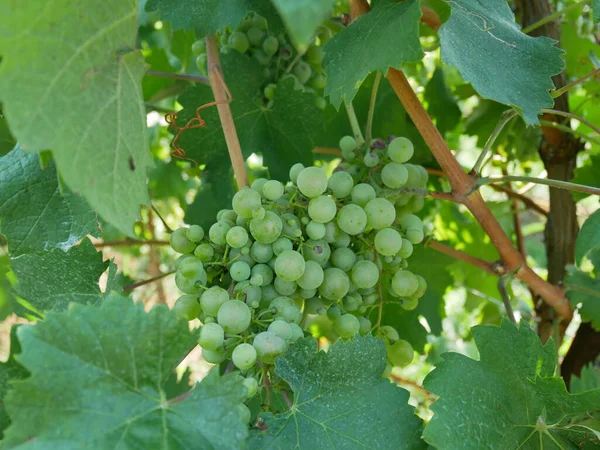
318,251
213,357
322,209
191,268
416,203
420,292
187,307
246,23
239,254
335,284
212,336
315,230
280,245
415,235
414,175
405,283
273,189
259,213
261,253
302,71
340,184
320,103
180,242
352,302
332,232
312,181
237,237
269,346
239,41
318,81
244,357
307,293
295,171
250,383
324,34
265,272
255,36
401,353
267,229
343,258
388,242
347,144
246,201
281,329
394,175
259,22
424,176
195,233
199,47
380,213
410,303
297,332
253,295
400,150
365,325
365,274
268,294
289,265
312,277
314,54
362,194
212,299
352,219
343,240
312,305
406,250
246,414
189,285
228,214
334,312
258,184
371,160
347,326
285,308
270,45
262,58
285,287
269,91
240,271
350,157
218,232
201,62
234,316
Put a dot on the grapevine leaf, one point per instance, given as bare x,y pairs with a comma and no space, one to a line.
302,17
156,60
488,34
51,280
210,16
284,134
7,141
596,10
577,49
340,401
119,359
588,238
9,303
82,100
36,216
582,288
588,380
442,105
515,390
349,56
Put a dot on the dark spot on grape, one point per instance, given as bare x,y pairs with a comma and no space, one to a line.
318,249
378,143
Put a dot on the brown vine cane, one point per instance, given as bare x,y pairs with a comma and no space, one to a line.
195,122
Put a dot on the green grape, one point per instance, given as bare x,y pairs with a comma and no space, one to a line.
415,204
234,316
259,213
352,219
332,232
410,303
389,333
246,414
388,242
289,265
240,271
246,201
380,213
268,346
253,295
255,36
267,229
350,156
424,176
414,175
321,103
212,336
261,253
285,308
365,274
273,189
213,357
250,383
406,250
187,307
270,45
241,254
180,242
212,299
340,184
312,277
315,230
259,22
334,312
218,232
262,58
302,71
181,259
312,181
244,357
258,184
414,235
237,237
201,62
405,283
394,175
245,24
371,160
285,287
348,144
324,34
189,285
343,258
313,305
191,268
281,245
307,293
400,354
227,214
297,332
265,272
400,150
343,240
295,171
322,209
314,54
268,294
281,329
318,81
239,41
362,194
420,292
365,325
352,302
269,92
195,233
335,284
199,47
347,326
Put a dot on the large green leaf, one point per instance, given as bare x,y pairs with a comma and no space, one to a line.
588,239
483,41
68,85
35,215
596,10
584,289
98,380
302,17
364,46
441,104
340,401
502,401
588,380
51,280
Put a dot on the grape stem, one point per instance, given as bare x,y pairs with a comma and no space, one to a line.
131,287
178,76
162,219
286,398
552,183
327,151
489,267
405,381
369,127
574,83
502,281
223,99
358,137
506,116
572,116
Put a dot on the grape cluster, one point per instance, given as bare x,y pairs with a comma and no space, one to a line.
316,246
275,54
